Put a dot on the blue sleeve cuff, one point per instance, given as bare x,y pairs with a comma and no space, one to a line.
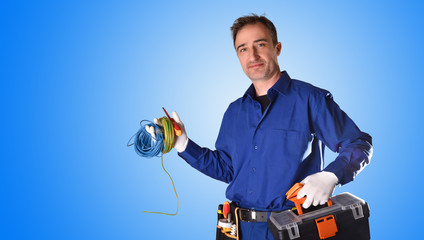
341,169
191,153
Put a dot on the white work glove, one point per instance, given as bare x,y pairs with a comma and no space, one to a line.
151,130
180,143
318,188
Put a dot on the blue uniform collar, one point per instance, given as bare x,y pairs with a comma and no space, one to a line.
280,86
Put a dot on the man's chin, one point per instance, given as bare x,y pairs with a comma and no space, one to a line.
257,77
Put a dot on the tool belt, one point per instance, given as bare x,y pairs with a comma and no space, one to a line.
224,229
228,228
248,215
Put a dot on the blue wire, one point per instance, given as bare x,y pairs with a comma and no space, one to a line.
147,146
144,144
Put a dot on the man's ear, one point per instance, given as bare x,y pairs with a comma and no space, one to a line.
278,47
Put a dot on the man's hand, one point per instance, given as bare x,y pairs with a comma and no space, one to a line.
180,142
151,130
318,188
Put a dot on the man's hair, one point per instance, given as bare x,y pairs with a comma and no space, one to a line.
240,22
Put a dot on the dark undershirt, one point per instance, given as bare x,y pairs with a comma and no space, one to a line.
264,101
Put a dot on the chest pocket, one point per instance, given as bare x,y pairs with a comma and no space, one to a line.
287,146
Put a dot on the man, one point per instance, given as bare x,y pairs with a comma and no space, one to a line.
275,134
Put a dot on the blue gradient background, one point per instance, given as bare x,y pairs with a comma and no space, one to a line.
77,77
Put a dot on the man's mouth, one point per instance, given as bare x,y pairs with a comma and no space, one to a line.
255,65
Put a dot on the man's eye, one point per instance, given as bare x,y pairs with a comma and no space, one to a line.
261,45
243,50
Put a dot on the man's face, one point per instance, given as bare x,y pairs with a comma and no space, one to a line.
256,52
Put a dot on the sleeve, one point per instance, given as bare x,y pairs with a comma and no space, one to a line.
214,163
339,133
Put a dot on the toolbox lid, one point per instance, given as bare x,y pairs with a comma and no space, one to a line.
345,200
283,219
342,202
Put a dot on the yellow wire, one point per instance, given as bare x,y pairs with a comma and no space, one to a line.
237,222
168,145
175,191
168,134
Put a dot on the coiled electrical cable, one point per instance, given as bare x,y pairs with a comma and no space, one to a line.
147,146
144,144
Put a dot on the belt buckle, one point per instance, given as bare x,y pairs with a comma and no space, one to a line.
253,215
245,215
250,215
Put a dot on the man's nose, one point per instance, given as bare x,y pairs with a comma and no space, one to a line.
254,54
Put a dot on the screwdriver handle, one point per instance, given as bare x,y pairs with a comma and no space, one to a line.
226,209
177,129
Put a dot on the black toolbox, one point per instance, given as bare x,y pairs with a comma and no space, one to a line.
346,218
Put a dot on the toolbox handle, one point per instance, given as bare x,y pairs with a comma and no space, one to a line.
292,196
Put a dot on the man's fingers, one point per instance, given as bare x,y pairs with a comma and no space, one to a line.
151,131
307,202
305,180
176,117
306,191
301,194
156,121
323,201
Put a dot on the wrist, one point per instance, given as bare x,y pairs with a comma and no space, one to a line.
333,177
183,146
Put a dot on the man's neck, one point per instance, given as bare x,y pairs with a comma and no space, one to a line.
262,86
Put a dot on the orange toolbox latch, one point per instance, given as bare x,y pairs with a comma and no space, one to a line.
292,196
326,226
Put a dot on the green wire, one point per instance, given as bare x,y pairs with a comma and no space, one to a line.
168,133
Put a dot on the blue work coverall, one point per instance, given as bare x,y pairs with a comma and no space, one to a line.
261,155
